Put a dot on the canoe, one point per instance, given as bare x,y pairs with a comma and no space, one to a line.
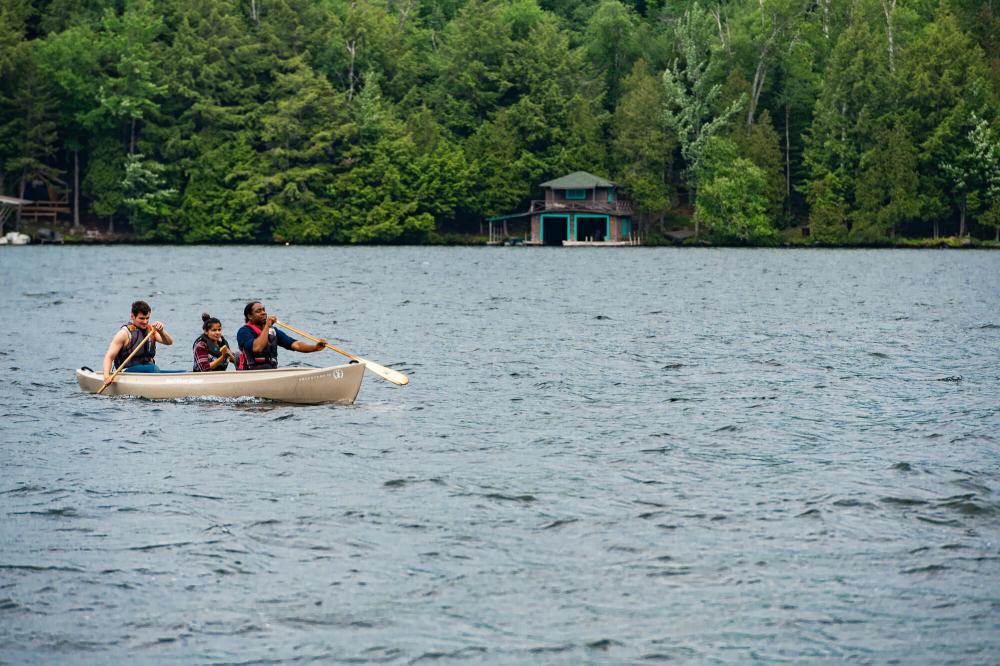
309,386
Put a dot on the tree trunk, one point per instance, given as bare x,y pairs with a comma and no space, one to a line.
936,234
404,13
717,13
20,195
352,48
76,190
692,193
788,161
253,11
758,85
888,7
996,236
111,224
131,138
961,220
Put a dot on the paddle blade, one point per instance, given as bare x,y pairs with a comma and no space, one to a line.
385,373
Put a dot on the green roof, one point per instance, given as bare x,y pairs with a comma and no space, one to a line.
578,180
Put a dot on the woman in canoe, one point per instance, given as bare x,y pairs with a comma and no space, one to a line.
211,350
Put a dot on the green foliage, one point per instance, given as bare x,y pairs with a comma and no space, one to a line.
148,201
127,89
104,175
691,92
300,129
30,135
642,144
610,44
760,145
212,209
856,93
945,82
828,214
387,121
887,187
733,201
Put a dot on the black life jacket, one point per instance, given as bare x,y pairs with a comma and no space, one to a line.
268,358
214,351
146,355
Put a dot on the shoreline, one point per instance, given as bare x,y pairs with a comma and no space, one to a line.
914,244
475,240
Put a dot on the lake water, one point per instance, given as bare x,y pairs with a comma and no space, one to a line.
604,456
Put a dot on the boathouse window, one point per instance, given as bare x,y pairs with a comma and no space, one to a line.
576,194
611,196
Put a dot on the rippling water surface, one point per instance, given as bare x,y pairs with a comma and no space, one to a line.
604,456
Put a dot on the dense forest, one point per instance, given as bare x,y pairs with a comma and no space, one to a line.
400,121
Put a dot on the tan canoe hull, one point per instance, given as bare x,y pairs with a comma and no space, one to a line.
339,384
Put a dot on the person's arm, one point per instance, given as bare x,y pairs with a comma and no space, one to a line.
288,342
260,342
121,337
161,334
307,348
202,358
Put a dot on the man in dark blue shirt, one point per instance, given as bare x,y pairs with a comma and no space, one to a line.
258,340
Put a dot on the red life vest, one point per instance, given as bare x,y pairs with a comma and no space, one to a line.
268,358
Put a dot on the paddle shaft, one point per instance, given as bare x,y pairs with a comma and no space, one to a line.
385,373
152,332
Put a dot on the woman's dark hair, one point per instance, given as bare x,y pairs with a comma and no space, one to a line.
247,309
208,321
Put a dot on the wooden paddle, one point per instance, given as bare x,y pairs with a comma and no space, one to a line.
380,370
152,332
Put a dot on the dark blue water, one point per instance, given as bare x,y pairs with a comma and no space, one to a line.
604,456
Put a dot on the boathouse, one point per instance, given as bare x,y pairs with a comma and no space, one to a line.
578,209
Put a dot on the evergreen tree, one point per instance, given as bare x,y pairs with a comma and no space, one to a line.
760,145
643,146
733,202
13,17
302,129
148,200
128,89
974,171
70,62
691,92
102,184
944,82
610,45
886,190
857,93
32,132
469,67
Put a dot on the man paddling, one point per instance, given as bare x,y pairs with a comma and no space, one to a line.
258,340
130,336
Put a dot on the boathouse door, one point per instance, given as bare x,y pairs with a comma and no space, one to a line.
555,229
592,227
